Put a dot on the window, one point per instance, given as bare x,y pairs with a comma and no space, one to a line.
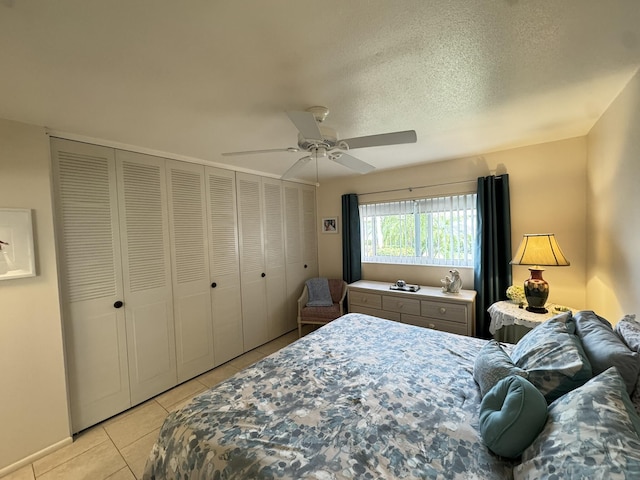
427,231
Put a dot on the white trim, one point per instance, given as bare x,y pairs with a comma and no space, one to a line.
36,456
158,153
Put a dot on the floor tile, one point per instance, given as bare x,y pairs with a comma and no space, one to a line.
217,375
137,453
132,427
122,474
179,394
97,463
24,473
243,361
81,443
269,348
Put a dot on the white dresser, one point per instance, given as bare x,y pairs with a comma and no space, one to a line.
429,307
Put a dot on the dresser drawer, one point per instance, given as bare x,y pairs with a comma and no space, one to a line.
395,316
436,324
365,299
402,305
444,311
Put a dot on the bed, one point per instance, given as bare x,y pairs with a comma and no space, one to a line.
361,397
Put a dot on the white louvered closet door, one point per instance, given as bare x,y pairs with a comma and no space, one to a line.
224,264
293,248
144,233
309,231
272,198
252,260
91,281
191,278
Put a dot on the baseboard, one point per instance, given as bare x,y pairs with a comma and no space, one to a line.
32,458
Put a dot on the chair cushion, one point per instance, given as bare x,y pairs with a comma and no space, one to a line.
320,313
512,414
335,287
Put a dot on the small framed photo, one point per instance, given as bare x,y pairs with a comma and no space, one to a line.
330,225
17,258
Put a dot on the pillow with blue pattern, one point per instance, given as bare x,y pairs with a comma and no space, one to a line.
553,357
592,432
491,365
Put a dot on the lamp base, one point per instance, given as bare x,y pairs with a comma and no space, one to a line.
536,290
537,310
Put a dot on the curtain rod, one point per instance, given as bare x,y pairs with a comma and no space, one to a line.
411,189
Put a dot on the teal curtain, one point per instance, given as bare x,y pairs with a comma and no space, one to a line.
492,269
351,264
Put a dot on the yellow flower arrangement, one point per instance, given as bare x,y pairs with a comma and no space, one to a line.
515,293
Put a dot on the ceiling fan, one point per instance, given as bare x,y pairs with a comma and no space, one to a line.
322,142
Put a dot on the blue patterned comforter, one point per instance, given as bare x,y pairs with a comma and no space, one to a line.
360,398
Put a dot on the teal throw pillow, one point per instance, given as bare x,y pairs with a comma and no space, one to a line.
512,414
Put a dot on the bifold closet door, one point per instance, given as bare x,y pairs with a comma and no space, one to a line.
224,264
191,278
301,243
273,200
91,281
252,260
146,261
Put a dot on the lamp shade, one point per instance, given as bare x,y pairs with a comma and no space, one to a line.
540,249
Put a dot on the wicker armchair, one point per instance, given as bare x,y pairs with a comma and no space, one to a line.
322,315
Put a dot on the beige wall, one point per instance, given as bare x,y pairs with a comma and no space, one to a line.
548,194
613,196
33,397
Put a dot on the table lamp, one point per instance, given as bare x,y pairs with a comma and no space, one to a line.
538,250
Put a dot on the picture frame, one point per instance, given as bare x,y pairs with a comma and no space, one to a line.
17,256
329,225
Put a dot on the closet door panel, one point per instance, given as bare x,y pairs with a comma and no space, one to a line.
146,265
224,264
272,198
191,286
293,247
252,260
309,231
91,280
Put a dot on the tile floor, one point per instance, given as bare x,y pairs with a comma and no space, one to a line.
117,448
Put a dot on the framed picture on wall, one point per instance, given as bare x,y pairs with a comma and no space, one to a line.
330,225
17,258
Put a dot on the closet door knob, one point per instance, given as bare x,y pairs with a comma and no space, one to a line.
305,265
263,275
118,304
214,285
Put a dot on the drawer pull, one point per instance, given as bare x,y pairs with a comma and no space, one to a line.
443,310
431,325
400,304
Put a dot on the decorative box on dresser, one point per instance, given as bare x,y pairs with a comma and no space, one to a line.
429,307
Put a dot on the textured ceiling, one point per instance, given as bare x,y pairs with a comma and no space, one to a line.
198,78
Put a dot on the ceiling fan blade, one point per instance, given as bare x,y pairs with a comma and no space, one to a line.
296,167
394,138
251,152
351,162
306,124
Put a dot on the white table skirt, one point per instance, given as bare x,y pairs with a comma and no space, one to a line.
506,313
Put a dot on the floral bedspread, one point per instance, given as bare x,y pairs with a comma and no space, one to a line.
361,398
